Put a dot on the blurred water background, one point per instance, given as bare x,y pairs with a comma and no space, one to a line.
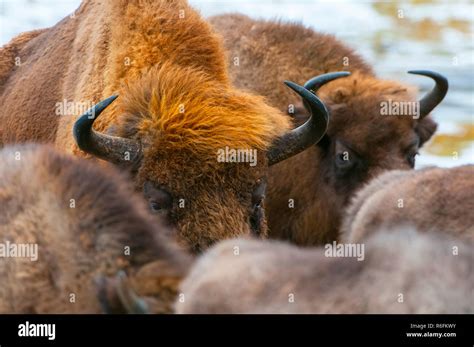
394,36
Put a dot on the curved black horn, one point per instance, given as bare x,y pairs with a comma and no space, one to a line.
313,129
317,82
117,150
436,95
306,134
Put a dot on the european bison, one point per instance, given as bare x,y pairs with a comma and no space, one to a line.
67,227
429,199
190,139
375,125
403,271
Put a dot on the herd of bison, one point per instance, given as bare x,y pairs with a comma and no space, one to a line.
120,204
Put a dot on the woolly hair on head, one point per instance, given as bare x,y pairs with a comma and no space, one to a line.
358,85
186,109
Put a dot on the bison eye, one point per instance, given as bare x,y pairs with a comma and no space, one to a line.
155,206
345,158
159,199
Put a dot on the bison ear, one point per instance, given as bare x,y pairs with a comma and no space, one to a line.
425,128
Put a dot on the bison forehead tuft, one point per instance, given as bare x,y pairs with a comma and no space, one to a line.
359,106
185,109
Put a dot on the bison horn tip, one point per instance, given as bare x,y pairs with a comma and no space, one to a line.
317,82
436,95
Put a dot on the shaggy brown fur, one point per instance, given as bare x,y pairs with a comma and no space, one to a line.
104,231
269,52
274,277
429,199
175,97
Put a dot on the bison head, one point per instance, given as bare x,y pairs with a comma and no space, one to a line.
375,126
183,135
